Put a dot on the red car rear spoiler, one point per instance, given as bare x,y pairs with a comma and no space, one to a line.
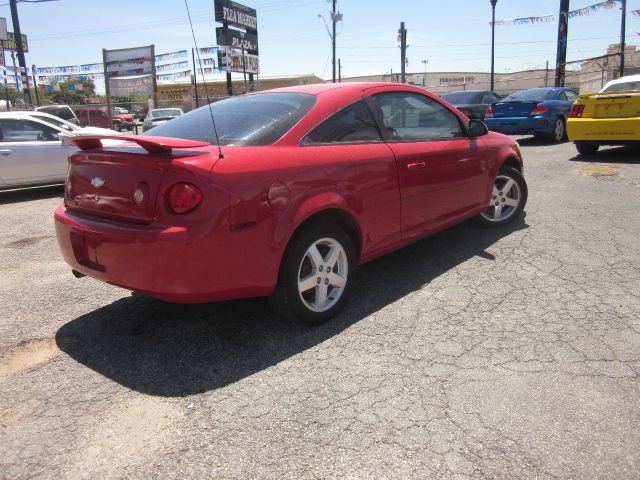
150,144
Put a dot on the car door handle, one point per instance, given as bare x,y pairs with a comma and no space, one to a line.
416,165
4,153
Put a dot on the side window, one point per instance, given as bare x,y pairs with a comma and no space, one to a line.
495,98
351,124
25,131
563,97
413,117
571,96
487,98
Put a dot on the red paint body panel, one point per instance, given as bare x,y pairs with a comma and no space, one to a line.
255,198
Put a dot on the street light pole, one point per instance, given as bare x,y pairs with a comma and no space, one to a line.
493,38
424,81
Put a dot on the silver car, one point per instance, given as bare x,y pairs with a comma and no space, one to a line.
31,152
160,115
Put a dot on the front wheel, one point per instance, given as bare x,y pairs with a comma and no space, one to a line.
586,148
316,275
508,198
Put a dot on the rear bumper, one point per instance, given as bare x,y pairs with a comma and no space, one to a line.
171,263
520,125
604,129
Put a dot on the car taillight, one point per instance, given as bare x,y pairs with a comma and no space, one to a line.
539,109
184,197
489,112
576,111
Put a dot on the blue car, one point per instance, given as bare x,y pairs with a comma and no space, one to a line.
541,112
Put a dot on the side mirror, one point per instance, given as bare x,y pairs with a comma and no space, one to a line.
477,128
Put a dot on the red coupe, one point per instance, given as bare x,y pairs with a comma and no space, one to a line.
281,193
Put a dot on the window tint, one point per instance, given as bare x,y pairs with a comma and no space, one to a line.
562,96
462,97
251,120
413,117
571,95
12,130
63,112
531,95
351,124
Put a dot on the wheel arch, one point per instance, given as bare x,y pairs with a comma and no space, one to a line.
336,216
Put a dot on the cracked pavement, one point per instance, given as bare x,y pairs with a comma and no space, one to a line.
510,353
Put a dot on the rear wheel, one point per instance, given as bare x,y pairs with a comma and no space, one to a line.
586,148
508,198
557,135
317,272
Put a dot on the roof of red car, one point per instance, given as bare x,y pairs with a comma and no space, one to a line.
317,88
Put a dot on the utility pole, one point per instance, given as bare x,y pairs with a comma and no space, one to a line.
35,84
493,39
333,40
339,71
561,56
21,61
623,36
402,36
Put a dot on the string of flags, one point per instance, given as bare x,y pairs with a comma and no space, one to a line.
636,12
581,12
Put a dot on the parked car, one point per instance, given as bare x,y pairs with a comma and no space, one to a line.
285,196
473,103
32,152
99,117
158,116
58,122
610,117
541,112
61,111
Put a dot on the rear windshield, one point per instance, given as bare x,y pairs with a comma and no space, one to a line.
251,120
531,95
166,112
463,97
619,87
62,112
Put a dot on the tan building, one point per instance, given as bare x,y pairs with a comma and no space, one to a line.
596,71
443,82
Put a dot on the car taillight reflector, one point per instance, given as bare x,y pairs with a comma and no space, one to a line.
539,109
184,197
489,112
576,111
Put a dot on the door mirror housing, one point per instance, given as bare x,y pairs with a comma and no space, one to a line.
477,128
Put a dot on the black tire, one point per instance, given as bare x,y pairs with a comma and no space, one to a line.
586,148
288,301
512,198
559,131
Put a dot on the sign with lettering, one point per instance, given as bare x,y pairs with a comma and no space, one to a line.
235,14
229,37
10,42
232,60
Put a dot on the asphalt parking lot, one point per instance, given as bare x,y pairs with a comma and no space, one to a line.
511,353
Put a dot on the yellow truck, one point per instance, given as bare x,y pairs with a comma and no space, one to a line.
609,117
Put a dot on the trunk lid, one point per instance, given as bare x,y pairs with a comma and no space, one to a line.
513,109
122,181
613,105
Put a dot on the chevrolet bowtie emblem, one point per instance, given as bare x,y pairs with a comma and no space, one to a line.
97,182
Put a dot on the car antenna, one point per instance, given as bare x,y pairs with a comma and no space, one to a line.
215,130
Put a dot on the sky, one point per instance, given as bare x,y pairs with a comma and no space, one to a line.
443,35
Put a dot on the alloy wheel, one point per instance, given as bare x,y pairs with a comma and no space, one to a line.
322,274
505,199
